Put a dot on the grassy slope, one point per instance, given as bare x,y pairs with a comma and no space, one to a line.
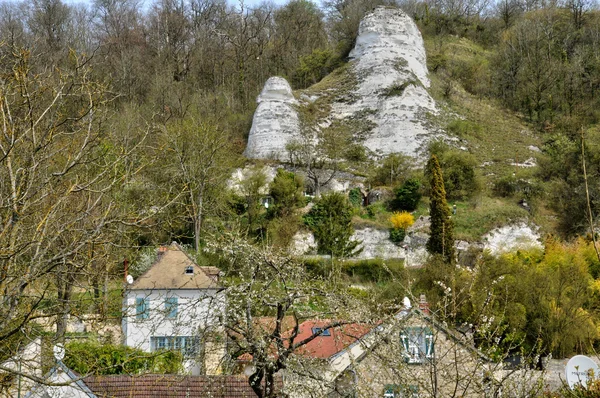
496,137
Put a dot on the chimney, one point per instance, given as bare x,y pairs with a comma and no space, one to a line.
161,250
423,304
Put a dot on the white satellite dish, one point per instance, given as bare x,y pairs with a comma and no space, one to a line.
406,302
129,279
579,369
59,352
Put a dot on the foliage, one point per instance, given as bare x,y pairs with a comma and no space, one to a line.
408,195
458,168
314,66
402,220
397,235
203,161
287,191
89,357
355,197
253,186
441,239
394,169
375,270
510,185
330,220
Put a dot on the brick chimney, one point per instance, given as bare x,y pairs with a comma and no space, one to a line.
423,304
161,250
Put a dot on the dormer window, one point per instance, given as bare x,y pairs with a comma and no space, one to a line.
189,270
326,332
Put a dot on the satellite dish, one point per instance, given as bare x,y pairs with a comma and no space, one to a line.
579,369
129,279
59,352
406,302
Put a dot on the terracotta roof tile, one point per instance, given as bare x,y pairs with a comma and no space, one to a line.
170,386
325,346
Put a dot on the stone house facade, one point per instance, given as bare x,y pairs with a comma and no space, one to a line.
411,355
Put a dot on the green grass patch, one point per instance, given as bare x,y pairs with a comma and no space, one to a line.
476,218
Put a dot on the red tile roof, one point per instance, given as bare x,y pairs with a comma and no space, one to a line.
170,386
326,346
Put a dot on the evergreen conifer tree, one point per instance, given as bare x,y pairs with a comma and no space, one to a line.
441,240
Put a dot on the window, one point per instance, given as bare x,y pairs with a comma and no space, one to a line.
418,344
171,304
141,308
187,345
189,270
326,332
398,391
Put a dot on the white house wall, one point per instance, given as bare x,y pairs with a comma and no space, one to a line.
197,310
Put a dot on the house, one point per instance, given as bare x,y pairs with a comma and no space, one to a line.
176,304
410,355
61,382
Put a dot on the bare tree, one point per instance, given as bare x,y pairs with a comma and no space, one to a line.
61,175
264,282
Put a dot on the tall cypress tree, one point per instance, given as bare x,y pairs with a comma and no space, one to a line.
441,240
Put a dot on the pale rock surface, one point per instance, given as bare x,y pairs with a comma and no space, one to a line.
303,243
239,175
275,121
376,244
389,53
511,238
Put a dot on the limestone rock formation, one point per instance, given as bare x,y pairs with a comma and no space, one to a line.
510,238
275,121
384,88
390,66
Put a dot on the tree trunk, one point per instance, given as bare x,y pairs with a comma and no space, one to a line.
199,214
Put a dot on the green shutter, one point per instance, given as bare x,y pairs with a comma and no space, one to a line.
141,308
171,304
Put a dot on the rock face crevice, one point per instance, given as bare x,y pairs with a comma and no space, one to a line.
388,65
275,121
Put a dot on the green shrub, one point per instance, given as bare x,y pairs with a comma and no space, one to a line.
355,197
458,170
375,209
330,220
408,195
373,270
510,185
287,193
397,235
90,357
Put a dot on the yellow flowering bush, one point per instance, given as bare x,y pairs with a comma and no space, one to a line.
402,220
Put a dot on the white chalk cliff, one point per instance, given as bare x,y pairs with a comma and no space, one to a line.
390,65
388,68
275,121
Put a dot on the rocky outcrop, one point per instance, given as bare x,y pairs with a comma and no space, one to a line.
376,244
390,66
383,101
275,121
511,238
